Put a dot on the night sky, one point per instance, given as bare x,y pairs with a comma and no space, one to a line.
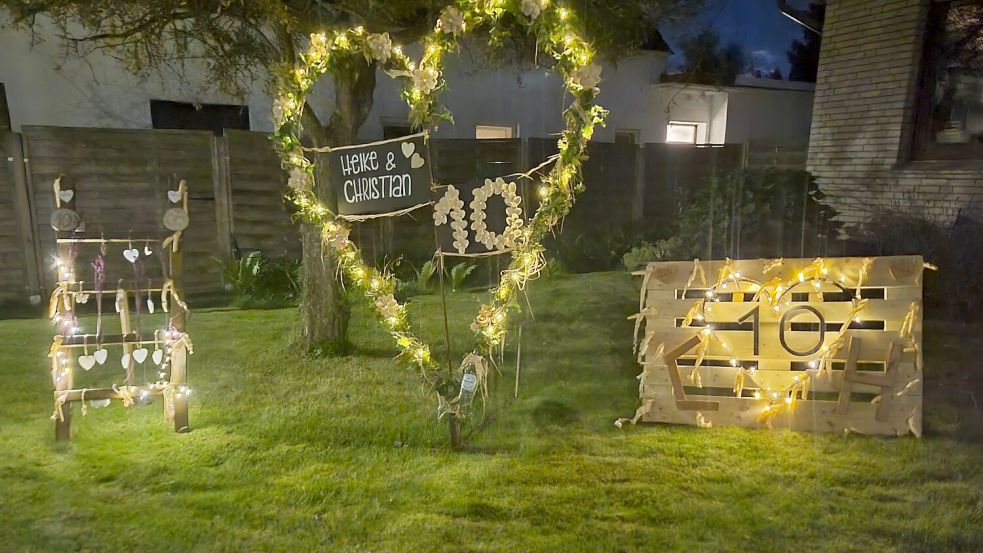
756,25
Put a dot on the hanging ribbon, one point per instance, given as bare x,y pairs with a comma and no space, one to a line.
60,399
53,352
772,265
169,291
124,395
739,381
645,407
864,272
697,272
639,318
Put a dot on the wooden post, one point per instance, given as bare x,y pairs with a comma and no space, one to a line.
638,204
179,354
222,185
63,428
23,212
64,272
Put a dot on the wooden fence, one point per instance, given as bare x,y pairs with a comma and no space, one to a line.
236,192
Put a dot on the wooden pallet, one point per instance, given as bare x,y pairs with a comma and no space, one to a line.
762,360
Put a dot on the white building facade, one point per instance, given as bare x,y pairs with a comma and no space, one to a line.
42,87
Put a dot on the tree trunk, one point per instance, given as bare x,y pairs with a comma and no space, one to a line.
324,309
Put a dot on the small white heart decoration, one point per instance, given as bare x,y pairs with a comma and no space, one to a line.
147,250
150,305
140,355
87,361
131,254
416,161
157,356
125,360
100,355
408,149
66,195
174,196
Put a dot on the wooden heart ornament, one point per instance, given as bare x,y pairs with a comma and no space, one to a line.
66,195
157,356
559,35
87,361
408,149
174,196
100,355
131,254
140,355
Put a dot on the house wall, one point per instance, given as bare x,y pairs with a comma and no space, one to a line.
766,115
45,88
864,113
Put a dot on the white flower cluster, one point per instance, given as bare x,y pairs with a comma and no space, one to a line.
299,179
387,306
336,236
424,79
451,21
451,204
379,47
588,77
532,8
482,235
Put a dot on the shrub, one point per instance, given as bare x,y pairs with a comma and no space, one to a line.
957,288
642,254
459,274
754,213
257,281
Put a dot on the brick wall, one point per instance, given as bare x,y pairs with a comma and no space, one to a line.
863,116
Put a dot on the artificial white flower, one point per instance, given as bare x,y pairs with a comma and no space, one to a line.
299,179
451,20
588,77
532,8
379,47
278,112
424,79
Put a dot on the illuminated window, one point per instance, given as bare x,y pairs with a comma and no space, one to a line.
681,133
482,132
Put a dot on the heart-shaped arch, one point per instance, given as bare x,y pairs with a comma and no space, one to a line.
558,32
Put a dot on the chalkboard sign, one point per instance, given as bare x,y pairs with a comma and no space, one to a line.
382,178
479,217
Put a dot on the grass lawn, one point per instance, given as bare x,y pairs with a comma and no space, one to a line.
344,454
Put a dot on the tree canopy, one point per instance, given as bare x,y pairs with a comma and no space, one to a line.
707,61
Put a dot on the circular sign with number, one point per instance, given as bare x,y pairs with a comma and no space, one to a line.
176,219
65,220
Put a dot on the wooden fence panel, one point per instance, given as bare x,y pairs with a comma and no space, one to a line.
18,264
121,177
261,219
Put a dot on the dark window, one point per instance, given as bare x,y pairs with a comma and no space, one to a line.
201,117
949,118
628,137
395,130
4,112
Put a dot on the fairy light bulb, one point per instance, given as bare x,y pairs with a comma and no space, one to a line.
564,13
757,395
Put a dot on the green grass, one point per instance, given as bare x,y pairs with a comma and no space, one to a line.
344,454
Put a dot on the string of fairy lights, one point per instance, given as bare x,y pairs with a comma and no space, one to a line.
558,30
